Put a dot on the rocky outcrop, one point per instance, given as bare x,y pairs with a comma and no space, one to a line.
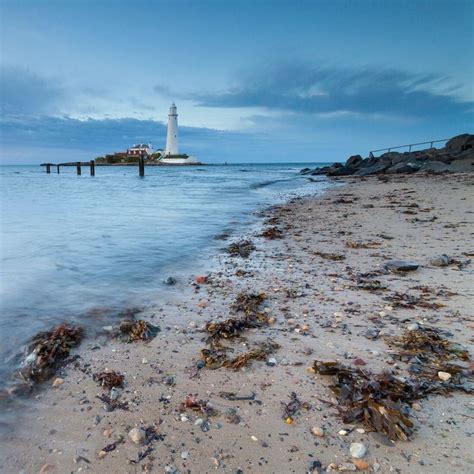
456,156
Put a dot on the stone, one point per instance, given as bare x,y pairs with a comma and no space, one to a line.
346,467
401,266
271,362
444,376
317,431
137,435
361,464
184,455
58,381
462,166
403,167
436,167
460,142
377,168
170,281
343,432
354,160
358,450
413,327
441,261
416,406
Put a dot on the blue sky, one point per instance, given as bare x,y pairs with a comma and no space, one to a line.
253,80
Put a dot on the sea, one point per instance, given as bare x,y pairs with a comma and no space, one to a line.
73,246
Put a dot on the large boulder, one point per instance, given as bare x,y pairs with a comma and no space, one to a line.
341,171
436,167
403,167
462,166
376,168
460,143
354,160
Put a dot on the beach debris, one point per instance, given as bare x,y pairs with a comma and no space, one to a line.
358,450
49,350
232,396
193,402
441,261
109,380
216,358
58,381
410,301
400,266
130,330
137,435
380,401
112,402
243,248
369,284
249,303
329,256
272,233
362,245
201,279
293,408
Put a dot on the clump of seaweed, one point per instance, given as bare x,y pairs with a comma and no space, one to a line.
293,408
272,233
407,301
216,358
193,402
330,256
243,248
362,245
249,303
131,331
48,350
109,380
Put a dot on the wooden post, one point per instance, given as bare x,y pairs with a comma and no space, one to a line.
57,166
78,168
48,168
141,166
92,168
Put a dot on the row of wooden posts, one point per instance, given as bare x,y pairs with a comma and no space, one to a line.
91,164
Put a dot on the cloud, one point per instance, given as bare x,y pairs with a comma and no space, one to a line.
315,89
22,92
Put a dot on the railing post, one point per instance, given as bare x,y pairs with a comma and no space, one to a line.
78,168
409,149
48,168
431,145
57,167
141,166
92,163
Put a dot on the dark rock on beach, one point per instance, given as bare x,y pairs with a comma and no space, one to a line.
457,156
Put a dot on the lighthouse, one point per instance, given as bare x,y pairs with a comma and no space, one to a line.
172,136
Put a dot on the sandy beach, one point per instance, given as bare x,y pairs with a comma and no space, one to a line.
317,309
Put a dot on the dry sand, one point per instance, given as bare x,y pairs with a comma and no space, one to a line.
62,430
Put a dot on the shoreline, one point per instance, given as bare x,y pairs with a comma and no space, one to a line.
302,289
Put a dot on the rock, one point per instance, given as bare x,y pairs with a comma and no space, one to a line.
404,167
441,261
358,450
416,406
372,333
361,464
341,171
436,167
170,281
460,142
462,166
201,279
346,467
353,161
377,168
444,376
343,432
184,455
401,266
413,327
58,381
317,431
137,435
305,171
271,362
46,468
359,361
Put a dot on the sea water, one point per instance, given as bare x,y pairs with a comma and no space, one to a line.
71,244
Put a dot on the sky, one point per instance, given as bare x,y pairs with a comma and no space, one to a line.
254,81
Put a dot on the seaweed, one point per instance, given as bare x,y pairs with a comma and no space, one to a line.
362,245
216,358
330,256
293,408
131,331
249,303
109,380
272,233
193,402
407,301
243,248
48,350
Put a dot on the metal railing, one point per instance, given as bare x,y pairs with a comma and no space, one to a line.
371,153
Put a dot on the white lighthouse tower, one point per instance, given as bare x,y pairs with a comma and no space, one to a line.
171,155
172,137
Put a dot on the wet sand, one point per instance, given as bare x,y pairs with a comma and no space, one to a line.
319,313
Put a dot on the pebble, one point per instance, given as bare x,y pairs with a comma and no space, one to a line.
253,438
58,382
360,430
444,376
144,361
416,406
317,431
199,421
358,450
271,362
184,455
137,435
413,327
347,466
343,432
184,418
